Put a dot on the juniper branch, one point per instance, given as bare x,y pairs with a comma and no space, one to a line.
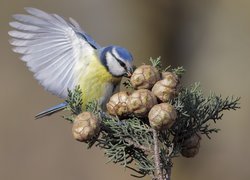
157,160
131,140
156,62
139,146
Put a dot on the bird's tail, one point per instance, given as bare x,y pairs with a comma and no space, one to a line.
51,110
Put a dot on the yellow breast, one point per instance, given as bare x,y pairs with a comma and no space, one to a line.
96,81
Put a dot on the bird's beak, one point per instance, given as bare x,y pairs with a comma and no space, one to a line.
128,74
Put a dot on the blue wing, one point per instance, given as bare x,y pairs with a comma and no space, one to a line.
83,34
54,49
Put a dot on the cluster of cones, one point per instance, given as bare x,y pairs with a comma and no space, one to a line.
153,91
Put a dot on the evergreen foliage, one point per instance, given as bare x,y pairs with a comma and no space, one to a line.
130,141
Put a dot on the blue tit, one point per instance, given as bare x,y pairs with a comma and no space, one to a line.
61,56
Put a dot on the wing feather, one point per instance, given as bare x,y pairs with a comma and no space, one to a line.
24,27
52,48
21,35
38,13
43,57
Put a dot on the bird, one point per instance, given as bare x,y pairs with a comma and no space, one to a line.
62,56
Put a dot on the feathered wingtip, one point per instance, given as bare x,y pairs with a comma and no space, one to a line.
51,110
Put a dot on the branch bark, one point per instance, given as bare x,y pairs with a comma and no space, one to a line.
139,146
157,160
168,175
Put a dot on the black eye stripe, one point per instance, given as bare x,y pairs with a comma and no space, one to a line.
120,62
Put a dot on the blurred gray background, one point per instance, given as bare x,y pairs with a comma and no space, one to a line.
210,38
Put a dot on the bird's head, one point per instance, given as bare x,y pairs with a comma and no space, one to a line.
117,60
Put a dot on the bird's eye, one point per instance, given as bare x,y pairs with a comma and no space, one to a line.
120,61
122,64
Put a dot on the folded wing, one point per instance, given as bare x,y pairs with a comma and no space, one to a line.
54,49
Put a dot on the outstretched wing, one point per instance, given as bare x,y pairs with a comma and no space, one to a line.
54,49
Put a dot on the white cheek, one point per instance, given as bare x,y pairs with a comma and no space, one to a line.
114,67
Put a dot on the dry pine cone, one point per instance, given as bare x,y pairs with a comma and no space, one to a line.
162,116
144,77
117,105
86,125
171,77
141,101
166,89
191,146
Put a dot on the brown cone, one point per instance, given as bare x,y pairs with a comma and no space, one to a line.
144,77
162,116
86,125
141,101
117,105
167,88
191,146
